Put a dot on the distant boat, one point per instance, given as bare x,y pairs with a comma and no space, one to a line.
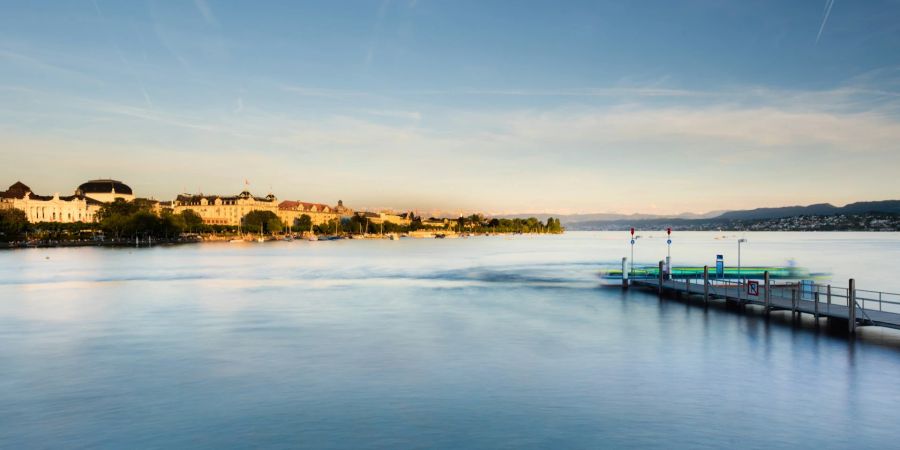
260,239
394,237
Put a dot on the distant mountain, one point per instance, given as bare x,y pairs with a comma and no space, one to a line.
568,219
830,218
608,220
820,209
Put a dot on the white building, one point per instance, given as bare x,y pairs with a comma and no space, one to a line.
219,210
50,208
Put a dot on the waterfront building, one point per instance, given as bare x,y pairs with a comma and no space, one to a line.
290,212
435,222
343,210
105,190
224,210
50,208
404,219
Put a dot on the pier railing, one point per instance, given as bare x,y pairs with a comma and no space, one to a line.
822,296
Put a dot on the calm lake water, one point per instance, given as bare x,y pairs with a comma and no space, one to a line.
484,342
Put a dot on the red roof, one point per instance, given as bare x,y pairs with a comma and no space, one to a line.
303,206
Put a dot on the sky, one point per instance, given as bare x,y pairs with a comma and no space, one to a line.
458,106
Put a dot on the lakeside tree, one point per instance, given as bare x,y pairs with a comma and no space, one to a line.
13,223
125,220
262,222
303,223
328,227
192,221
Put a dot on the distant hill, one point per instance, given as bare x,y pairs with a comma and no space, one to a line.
568,219
820,209
600,221
784,218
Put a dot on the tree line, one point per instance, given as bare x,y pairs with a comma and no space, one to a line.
124,221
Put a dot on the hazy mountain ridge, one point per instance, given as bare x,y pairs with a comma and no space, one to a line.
819,209
875,215
584,221
596,217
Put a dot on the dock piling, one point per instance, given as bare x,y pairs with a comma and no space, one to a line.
816,308
706,285
768,294
851,304
661,278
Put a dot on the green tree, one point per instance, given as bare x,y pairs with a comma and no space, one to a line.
13,222
262,222
303,223
191,220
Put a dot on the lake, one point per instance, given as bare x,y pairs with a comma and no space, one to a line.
500,342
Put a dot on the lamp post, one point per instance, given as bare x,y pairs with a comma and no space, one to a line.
631,272
669,252
740,277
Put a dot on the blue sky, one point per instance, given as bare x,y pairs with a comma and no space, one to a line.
459,106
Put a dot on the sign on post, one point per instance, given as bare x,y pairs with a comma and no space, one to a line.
753,288
807,290
720,266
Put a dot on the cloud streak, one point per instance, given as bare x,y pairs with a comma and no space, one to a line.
828,5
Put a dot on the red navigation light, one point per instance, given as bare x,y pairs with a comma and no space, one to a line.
632,231
669,231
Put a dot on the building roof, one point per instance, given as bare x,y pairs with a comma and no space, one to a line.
303,206
17,190
191,198
104,186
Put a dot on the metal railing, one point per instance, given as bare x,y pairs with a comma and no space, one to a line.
820,297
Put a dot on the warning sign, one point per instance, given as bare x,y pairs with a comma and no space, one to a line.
753,288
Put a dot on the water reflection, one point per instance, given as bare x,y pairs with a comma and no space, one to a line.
470,343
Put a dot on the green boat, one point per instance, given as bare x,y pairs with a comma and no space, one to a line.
751,273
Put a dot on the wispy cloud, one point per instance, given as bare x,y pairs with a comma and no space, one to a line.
828,5
206,11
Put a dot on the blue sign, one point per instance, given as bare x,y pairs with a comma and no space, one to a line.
632,242
720,266
807,290
669,242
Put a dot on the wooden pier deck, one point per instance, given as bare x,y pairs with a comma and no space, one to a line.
872,308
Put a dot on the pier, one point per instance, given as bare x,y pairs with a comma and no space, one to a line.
869,308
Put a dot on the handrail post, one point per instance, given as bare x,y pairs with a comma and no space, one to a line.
817,305
624,274
829,299
851,303
793,301
660,278
706,285
768,289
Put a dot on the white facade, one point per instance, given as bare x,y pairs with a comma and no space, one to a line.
218,210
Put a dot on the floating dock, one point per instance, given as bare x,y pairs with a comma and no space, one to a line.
802,296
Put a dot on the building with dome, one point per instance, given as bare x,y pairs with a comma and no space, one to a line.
224,210
105,190
50,208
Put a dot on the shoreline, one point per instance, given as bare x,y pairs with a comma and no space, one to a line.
206,239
